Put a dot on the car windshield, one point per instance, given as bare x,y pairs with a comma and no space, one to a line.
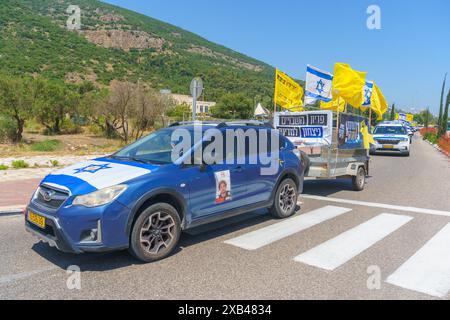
153,149
390,130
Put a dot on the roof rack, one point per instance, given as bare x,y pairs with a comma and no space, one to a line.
219,125
255,123
188,123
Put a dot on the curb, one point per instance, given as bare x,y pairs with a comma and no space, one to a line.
445,153
11,210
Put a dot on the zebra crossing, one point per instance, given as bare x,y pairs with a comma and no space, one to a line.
427,271
262,237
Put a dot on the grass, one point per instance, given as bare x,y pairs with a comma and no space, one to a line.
54,163
46,146
19,164
3,167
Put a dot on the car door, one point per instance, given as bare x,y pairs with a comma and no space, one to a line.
259,184
217,188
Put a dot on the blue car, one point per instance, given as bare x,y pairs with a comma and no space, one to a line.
142,197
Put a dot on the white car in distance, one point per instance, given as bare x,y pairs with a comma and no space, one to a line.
391,138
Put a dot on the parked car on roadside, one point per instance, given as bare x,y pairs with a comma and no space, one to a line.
391,137
140,199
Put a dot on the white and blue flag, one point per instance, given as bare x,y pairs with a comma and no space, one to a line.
318,85
368,88
90,176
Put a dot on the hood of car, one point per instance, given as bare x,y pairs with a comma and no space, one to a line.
90,176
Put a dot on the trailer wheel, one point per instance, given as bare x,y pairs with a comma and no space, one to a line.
359,180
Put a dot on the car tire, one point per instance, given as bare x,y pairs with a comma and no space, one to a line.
359,180
155,233
285,202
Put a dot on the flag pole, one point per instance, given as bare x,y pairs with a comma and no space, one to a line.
275,94
337,136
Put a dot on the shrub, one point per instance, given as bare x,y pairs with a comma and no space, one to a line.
19,164
95,129
46,146
431,137
444,144
7,130
3,167
33,126
69,127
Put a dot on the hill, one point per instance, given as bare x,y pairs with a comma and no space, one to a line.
115,43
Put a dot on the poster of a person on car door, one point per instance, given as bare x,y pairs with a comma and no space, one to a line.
223,186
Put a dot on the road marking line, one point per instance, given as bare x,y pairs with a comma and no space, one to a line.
428,270
23,275
379,205
10,210
341,249
264,236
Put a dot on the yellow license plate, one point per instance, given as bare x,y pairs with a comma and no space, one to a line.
388,146
36,219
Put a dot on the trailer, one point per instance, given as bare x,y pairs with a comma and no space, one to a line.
330,144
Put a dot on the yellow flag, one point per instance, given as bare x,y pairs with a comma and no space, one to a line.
296,109
349,84
335,104
378,102
288,93
367,137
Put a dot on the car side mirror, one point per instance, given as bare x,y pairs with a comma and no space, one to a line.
203,167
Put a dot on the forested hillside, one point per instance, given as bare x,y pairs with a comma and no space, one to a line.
115,43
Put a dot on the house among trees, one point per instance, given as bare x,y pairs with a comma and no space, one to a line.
203,107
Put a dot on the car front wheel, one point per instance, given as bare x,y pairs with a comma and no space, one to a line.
285,201
155,233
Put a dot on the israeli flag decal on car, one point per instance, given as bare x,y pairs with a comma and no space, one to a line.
95,175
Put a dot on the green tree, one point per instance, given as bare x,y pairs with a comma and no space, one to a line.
17,96
393,112
445,115
233,106
427,118
55,101
442,121
180,112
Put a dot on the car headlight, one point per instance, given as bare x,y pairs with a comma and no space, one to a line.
100,197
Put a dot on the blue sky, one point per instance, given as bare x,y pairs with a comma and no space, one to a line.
407,57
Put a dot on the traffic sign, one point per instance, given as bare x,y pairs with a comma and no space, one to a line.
196,87
196,91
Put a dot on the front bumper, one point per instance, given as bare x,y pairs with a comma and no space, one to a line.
66,227
401,147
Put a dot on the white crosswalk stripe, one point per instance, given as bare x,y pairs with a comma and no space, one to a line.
339,250
262,237
428,270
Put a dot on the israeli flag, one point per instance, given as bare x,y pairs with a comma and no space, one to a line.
368,88
90,176
318,85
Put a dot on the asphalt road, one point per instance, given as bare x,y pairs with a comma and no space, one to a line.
388,242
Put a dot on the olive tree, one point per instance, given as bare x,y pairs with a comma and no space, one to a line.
54,102
17,98
130,109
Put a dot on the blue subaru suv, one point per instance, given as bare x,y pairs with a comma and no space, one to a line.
142,197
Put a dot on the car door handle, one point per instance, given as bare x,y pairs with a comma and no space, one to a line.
238,169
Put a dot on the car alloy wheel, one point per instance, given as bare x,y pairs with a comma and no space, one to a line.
286,199
157,232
